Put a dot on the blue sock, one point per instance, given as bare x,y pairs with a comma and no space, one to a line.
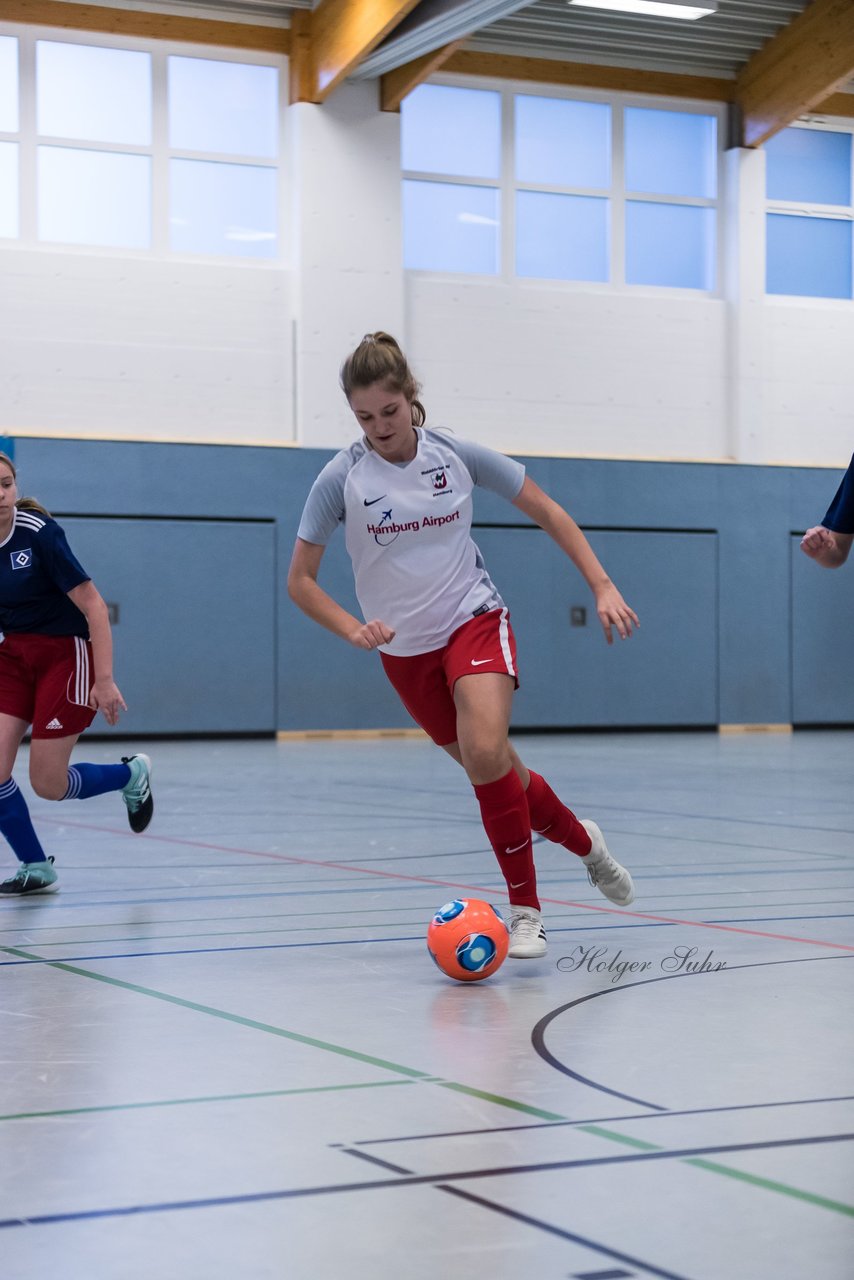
16,825
85,780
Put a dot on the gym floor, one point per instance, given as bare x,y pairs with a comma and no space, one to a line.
227,1053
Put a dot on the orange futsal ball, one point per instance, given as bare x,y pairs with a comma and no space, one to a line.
468,939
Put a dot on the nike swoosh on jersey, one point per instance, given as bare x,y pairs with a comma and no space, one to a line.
373,500
478,662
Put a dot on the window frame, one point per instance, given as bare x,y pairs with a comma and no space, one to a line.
616,194
161,154
812,209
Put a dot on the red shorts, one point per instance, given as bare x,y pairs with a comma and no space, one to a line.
425,682
45,680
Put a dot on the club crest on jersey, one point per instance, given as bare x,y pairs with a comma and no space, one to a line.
438,480
21,559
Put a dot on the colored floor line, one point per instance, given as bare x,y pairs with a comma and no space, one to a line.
600,1120
290,929
471,888
465,1175
289,946
216,1097
407,1071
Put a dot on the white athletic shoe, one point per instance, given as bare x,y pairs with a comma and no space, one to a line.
527,935
604,872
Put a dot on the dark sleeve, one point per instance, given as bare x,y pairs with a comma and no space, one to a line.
59,561
840,513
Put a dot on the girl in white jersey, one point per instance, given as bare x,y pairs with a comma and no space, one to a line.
404,495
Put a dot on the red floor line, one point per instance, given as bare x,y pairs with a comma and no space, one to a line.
453,884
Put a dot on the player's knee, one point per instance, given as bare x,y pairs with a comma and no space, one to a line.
486,760
48,788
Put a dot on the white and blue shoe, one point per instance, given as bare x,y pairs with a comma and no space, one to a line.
31,877
137,792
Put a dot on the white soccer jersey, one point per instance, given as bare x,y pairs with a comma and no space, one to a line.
408,532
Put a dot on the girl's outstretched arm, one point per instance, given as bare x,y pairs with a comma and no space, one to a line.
560,526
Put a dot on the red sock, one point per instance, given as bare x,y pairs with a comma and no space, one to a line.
551,818
504,811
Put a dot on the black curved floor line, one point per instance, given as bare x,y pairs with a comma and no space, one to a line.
539,1031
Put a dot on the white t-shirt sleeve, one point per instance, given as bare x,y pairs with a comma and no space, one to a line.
488,469
324,506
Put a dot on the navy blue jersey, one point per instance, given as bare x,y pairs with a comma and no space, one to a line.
37,569
840,513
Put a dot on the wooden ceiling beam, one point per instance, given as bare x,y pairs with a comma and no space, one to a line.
146,26
838,104
797,70
335,37
398,84
588,75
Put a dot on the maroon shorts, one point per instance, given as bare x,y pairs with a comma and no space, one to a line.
45,680
425,682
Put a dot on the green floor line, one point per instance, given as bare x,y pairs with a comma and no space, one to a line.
806,1197
215,1097
619,1137
222,1013
769,1184
712,1166
502,1102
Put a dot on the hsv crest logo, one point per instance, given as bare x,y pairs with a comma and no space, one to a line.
21,559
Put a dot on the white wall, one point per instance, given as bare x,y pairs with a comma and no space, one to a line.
348,280
95,345
808,364
530,368
99,344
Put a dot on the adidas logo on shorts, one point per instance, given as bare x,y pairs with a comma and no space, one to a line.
54,724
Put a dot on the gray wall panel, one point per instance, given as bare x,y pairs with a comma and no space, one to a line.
320,683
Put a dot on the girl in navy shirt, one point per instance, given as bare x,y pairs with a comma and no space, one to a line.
828,543
56,672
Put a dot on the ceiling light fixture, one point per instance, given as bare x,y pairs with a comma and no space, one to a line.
653,8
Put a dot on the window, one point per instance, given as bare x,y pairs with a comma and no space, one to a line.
224,107
8,84
8,189
94,198
448,225
810,213
223,209
580,190
139,150
86,92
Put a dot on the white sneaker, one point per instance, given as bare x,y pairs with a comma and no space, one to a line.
527,935
604,872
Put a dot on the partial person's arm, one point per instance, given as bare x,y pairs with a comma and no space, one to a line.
308,595
104,696
560,526
827,548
